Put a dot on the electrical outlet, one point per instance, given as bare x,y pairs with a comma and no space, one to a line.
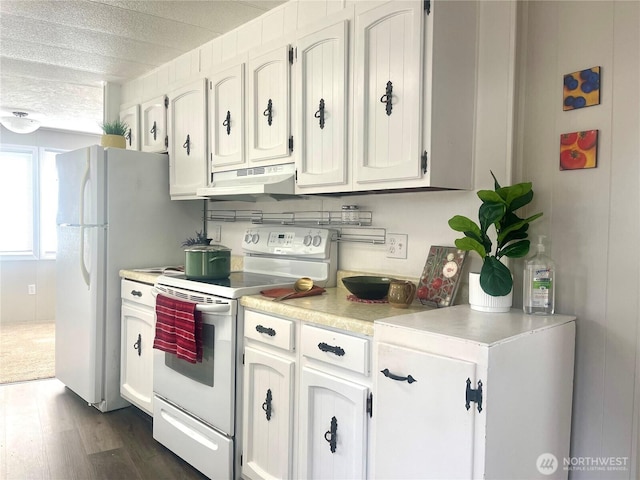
397,245
216,233
31,289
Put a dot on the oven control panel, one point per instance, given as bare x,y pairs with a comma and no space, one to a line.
311,242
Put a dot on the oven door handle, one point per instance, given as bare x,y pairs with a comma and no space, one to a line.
213,308
202,307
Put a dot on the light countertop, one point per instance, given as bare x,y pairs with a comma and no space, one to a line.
145,275
330,309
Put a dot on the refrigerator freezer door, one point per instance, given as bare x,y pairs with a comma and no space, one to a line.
80,317
81,189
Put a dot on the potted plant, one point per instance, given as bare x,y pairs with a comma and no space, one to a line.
114,134
498,210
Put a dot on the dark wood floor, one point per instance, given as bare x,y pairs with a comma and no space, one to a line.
48,432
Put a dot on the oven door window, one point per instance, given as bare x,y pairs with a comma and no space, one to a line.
201,372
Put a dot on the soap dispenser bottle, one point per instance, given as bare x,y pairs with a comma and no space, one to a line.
539,287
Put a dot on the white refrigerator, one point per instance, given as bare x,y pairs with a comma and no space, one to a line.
114,212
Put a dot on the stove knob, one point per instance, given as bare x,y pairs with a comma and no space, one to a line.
307,240
317,240
247,237
255,238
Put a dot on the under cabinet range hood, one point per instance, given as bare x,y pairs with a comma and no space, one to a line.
274,182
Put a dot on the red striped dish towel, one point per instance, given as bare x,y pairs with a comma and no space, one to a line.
178,328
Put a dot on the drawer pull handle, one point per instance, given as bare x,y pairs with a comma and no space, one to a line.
138,345
388,374
136,293
266,406
331,435
325,347
266,330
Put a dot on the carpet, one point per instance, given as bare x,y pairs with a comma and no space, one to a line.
27,351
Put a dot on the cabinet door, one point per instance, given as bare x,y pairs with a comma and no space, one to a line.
154,125
268,415
187,140
322,107
269,105
131,116
136,370
226,118
333,428
387,123
422,428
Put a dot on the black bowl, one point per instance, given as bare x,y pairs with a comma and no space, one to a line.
368,287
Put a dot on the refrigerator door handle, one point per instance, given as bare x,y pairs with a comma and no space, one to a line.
85,180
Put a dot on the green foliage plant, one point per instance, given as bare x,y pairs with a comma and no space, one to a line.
498,210
199,239
117,127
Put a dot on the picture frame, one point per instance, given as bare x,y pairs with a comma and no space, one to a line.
440,277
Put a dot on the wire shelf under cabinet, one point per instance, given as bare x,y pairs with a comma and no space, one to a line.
364,219
358,231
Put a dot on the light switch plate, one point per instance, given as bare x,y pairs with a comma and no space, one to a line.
397,245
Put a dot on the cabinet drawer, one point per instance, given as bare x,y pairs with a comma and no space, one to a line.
274,331
341,349
137,292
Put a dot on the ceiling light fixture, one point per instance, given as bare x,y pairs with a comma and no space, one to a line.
19,123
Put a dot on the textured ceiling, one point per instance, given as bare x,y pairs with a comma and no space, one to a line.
55,54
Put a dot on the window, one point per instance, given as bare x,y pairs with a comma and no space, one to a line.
28,202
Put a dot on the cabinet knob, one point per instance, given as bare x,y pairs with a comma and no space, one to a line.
138,345
227,122
386,98
331,435
266,406
268,112
320,113
187,144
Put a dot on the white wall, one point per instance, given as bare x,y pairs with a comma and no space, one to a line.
591,217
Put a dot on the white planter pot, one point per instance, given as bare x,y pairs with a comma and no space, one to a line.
483,302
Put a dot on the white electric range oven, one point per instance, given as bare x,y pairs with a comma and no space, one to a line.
197,407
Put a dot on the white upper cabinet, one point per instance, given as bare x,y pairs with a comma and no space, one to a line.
131,116
226,118
269,110
414,95
154,125
187,140
321,101
387,124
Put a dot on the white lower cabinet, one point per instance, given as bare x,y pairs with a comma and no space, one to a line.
268,415
136,352
464,394
306,401
268,397
333,427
